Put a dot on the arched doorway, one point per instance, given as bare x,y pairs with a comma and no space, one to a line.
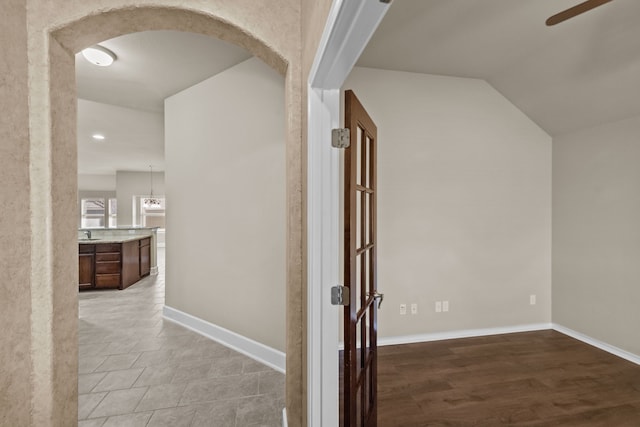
53,176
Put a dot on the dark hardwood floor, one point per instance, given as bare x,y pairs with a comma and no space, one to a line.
526,379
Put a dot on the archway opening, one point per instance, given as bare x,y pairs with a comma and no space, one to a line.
62,172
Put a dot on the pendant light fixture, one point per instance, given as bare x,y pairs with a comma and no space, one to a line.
151,202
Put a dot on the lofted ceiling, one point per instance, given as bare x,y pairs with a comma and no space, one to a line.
125,101
577,74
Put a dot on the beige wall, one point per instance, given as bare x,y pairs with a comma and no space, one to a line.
314,17
129,184
464,204
225,170
91,182
596,232
38,379
15,244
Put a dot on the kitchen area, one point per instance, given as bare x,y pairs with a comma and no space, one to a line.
116,258
121,225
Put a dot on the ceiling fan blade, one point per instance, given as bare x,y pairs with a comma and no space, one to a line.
574,11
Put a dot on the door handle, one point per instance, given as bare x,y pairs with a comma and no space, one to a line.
377,296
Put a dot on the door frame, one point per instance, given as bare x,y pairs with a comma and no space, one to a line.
348,29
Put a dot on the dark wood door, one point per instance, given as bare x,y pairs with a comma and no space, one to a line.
360,316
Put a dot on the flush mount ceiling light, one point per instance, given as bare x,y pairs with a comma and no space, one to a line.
98,137
99,55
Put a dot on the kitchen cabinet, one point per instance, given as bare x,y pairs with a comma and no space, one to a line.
108,266
115,265
130,263
86,266
145,257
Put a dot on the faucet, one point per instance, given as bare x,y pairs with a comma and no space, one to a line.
88,234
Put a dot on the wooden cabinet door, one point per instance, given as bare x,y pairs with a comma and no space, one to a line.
86,273
130,263
145,257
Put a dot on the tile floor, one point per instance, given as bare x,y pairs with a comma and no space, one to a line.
136,369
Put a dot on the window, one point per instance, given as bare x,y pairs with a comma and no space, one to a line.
92,213
113,213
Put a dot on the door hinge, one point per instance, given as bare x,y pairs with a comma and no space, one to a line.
340,295
340,138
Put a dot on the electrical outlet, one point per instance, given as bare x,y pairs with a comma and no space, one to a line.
403,309
438,306
414,308
445,305
532,299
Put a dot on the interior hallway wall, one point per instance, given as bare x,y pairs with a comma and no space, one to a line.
16,375
225,179
129,184
91,182
39,41
596,232
464,204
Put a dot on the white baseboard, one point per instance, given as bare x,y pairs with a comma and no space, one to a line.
285,423
255,350
465,333
469,333
154,271
634,358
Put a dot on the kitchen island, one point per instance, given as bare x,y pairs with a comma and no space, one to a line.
114,260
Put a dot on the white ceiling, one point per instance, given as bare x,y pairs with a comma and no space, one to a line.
125,101
154,65
577,74
580,73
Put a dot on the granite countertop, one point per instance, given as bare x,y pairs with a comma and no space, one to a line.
111,239
131,227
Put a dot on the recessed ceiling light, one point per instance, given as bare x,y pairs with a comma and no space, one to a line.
99,55
98,136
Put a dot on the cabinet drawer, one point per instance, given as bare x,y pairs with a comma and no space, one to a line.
108,267
108,247
107,280
108,256
86,249
145,242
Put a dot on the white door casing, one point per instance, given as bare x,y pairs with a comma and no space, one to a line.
349,26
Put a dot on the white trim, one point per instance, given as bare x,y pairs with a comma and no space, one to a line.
349,26
285,423
348,29
266,355
469,333
153,270
634,358
464,333
322,229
